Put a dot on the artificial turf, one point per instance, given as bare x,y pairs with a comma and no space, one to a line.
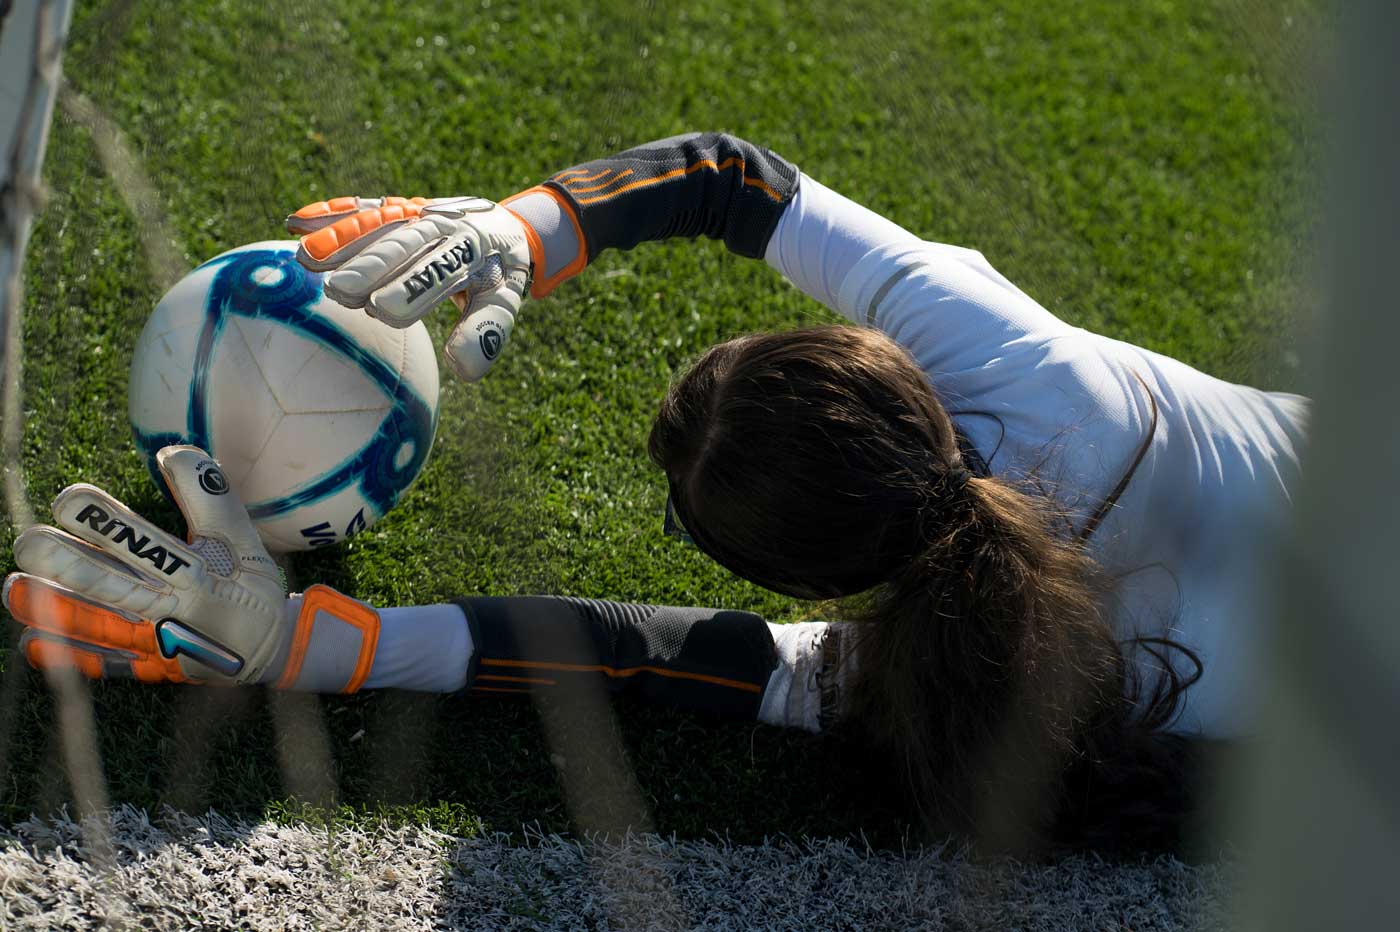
1142,169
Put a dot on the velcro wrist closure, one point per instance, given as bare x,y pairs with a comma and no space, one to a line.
557,246
333,645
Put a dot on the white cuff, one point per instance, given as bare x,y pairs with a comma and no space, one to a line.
792,698
421,647
560,238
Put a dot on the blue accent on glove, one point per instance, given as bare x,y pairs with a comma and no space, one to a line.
174,639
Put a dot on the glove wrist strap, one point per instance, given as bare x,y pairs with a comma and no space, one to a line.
557,248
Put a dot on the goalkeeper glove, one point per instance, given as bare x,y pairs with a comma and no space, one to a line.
398,257
111,594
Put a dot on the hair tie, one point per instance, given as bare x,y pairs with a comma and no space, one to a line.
957,477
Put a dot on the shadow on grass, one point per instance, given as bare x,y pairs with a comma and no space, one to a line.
456,763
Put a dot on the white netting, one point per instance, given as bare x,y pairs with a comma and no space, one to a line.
216,555
488,277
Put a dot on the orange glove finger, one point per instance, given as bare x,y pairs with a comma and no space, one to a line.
320,214
49,652
67,630
343,235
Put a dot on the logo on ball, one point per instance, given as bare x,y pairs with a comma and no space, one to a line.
211,480
491,343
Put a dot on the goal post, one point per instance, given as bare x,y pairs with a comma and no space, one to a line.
1320,800
32,34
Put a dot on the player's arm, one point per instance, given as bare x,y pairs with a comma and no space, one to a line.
398,258
945,304
718,661
110,594
699,184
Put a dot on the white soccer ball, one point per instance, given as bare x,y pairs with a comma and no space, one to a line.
320,415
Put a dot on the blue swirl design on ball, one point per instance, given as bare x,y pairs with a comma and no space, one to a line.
290,300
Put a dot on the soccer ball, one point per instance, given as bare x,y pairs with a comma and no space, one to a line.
320,415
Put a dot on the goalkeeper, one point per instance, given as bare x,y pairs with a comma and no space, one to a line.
1049,528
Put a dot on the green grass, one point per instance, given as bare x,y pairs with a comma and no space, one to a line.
1142,169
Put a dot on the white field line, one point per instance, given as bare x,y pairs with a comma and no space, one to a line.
180,872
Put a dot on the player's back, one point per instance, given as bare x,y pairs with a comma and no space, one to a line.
1068,413
1210,465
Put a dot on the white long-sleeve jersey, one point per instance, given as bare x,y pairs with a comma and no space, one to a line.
1069,410
1044,403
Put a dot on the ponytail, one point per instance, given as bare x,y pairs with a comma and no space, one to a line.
981,660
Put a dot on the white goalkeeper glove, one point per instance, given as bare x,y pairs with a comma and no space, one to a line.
111,594
399,257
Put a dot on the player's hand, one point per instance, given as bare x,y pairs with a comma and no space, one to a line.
399,257
111,594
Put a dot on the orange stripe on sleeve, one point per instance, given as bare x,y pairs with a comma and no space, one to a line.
675,173
764,187
586,178
619,673
598,187
517,679
665,176
560,176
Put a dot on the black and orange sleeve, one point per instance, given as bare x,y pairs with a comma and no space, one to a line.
706,659
699,184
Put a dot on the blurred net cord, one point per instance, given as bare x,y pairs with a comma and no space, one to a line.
164,264
32,33
32,36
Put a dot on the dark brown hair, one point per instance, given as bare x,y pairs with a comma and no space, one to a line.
819,463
